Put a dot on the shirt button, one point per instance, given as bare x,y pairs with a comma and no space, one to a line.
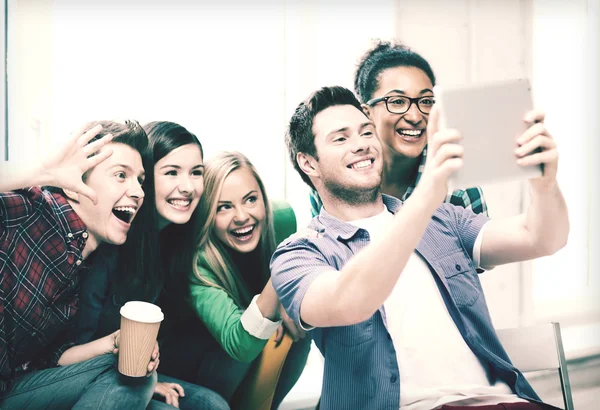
78,262
85,235
457,266
393,379
69,235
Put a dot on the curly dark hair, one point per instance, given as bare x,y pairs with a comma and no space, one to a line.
382,56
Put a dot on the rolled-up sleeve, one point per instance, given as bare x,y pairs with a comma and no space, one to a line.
294,266
467,224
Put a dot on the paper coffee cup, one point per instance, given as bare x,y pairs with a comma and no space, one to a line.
140,322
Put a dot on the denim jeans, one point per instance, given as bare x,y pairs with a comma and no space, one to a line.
196,397
93,384
210,366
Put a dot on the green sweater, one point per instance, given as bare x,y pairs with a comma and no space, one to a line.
218,311
221,316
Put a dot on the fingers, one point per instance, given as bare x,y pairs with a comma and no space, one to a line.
178,388
155,352
82,140
83,189
543,157
278,335
98,158
540,141
448,151
534,116
532,132
97,145
434,121
152,366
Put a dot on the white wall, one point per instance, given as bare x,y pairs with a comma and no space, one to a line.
566,49
197,62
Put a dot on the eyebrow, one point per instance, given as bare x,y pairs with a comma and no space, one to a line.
344,129
244,197
128,168
178,167
423,91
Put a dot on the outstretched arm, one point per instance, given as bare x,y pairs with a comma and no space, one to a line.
544,228
64,169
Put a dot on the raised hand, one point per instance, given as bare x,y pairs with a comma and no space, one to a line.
444,157
66,167
537,147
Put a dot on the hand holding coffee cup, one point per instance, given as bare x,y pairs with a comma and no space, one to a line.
140,322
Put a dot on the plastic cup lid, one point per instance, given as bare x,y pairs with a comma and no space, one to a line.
142,312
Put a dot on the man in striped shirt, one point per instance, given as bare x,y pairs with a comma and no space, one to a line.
389,290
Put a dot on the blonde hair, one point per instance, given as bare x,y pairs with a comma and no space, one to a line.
211,252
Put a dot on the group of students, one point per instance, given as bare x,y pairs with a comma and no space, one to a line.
125,212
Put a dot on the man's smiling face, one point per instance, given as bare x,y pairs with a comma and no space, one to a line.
117,182
349,152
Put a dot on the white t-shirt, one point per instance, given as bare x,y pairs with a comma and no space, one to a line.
436,365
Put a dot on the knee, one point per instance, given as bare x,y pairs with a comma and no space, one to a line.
139,391
207,399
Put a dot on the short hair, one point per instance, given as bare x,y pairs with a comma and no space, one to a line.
128,132
299,136
382,56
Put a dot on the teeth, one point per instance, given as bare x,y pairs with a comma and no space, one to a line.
243,230
362,164
180,202
127,209
412,133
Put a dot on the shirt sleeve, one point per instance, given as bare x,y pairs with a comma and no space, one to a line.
223,319
467,225
294,266
257,325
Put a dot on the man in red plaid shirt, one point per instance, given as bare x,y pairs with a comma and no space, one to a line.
45,235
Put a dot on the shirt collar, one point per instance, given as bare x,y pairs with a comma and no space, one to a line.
344,230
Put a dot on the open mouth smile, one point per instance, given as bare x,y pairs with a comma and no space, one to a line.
410,135
366,163
180,204
124,213
243,234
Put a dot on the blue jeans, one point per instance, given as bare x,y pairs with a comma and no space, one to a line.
196,397
213,368
93,384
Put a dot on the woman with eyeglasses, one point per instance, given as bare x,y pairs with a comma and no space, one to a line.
395,85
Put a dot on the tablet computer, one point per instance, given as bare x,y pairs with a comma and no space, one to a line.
490,119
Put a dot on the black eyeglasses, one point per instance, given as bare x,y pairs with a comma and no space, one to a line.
399,105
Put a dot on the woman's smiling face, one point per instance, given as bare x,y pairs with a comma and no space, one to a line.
179,183
241,212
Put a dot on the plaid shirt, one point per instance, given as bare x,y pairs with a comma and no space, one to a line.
470,198
41,244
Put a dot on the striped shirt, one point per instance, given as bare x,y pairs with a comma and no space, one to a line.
470,198
361,369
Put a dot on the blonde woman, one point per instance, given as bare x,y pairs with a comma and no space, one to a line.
231,291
